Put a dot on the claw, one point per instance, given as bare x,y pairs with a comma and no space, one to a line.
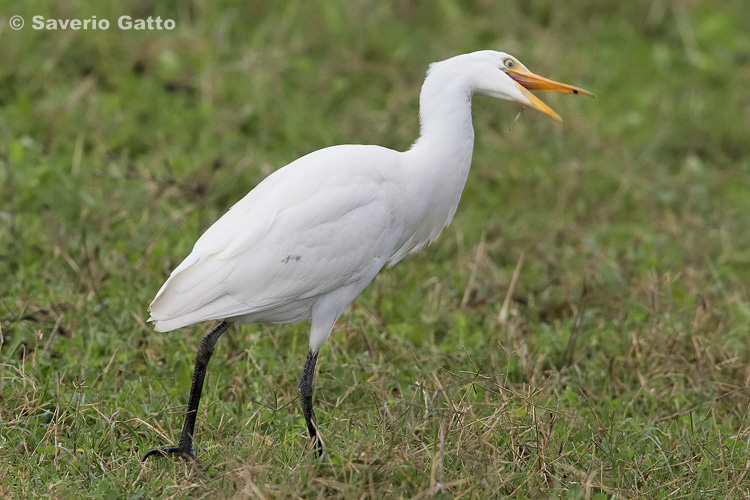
179,452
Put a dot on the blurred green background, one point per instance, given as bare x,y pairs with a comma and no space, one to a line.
619,368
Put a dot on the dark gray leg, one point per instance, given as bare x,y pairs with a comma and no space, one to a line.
184,447
305,390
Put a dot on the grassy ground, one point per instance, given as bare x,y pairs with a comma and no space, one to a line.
619,369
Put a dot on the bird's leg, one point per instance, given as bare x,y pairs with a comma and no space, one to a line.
184,448
305,390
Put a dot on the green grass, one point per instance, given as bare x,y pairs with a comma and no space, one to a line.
621,369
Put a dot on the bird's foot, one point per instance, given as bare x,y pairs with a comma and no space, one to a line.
183,452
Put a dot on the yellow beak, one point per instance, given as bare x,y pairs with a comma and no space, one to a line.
526,81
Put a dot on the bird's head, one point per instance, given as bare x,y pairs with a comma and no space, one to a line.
497,74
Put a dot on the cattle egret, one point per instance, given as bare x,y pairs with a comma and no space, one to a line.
312,235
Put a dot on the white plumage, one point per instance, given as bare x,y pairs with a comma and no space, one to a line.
310,237
312,234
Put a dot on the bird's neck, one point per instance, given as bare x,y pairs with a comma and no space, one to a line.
446,133
437,165
441,157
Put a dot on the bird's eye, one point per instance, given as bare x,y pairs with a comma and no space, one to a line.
509,63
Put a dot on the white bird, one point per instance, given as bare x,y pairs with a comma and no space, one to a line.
312,235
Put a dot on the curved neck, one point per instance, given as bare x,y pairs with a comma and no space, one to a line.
437,165
446,132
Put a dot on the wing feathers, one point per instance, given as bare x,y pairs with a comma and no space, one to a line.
308,229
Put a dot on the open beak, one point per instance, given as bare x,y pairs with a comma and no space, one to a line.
526,81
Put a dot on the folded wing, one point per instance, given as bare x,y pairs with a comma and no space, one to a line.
320,223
